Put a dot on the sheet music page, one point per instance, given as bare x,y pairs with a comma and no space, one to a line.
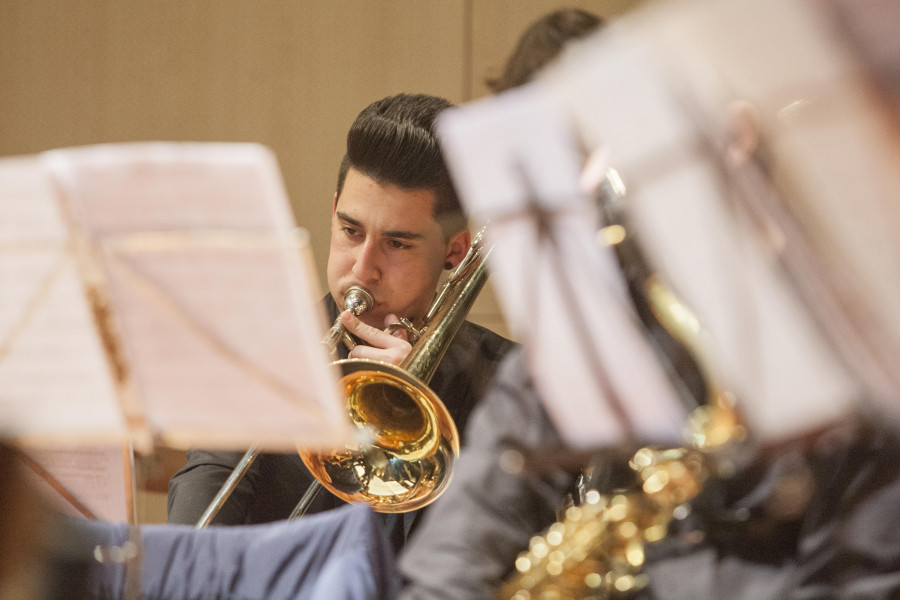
86,482
216,323
54,378
785,322
517,168
659,126
664,126
163,293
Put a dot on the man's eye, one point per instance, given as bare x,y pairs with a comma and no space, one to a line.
350,231
398,245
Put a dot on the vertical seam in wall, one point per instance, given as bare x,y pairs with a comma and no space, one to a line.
468,50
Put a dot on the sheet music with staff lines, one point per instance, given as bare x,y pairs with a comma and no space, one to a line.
159,293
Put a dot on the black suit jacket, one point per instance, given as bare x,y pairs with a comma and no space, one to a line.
275,482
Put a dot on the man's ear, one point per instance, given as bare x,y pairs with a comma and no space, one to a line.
334,204
457,247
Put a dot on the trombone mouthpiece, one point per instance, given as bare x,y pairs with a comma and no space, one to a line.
358,300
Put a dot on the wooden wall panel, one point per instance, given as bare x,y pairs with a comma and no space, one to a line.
290,75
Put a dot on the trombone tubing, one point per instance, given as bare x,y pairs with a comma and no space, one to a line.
228,487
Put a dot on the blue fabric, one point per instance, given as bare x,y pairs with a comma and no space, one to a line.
337,555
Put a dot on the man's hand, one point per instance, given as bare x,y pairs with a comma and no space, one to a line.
386,347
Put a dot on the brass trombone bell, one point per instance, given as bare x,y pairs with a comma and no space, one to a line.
405,441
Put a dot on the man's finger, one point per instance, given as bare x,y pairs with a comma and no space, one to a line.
375,337
382,346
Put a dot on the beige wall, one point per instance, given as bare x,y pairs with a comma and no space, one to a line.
290,74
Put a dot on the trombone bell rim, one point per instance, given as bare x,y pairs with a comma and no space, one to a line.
406,440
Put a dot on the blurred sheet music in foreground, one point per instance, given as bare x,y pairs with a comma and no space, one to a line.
159,293
787,256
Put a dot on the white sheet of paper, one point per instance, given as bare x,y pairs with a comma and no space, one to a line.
663,126
598,376
54,377
652,91
188,289
86,482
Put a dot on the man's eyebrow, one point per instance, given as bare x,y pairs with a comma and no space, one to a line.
347,218
393,233
403,235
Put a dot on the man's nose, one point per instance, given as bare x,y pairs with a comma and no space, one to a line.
367,263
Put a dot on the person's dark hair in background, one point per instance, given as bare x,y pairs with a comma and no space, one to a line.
541,43
392,141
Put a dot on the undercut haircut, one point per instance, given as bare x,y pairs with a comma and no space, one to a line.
392,141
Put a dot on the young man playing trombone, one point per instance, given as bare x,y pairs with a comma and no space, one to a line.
396,225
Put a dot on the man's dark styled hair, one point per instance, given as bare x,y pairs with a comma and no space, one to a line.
541,43
393,142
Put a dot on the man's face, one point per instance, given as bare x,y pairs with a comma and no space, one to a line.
385,239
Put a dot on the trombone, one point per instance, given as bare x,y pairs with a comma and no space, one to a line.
357,300
406,441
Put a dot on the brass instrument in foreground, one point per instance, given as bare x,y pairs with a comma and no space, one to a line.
597,550
406,440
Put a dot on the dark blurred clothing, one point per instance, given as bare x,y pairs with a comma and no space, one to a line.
275,482
746,538
469,539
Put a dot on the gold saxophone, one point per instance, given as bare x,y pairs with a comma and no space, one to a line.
597,549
